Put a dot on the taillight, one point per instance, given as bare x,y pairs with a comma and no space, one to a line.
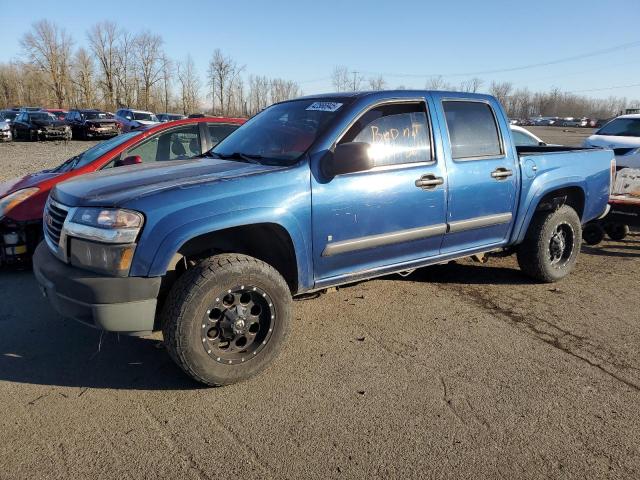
612,175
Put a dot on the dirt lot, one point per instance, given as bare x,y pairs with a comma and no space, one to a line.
457,371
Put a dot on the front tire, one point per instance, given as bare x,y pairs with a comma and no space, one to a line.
550,248
226,319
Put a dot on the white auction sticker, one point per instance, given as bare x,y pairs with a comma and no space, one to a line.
324,106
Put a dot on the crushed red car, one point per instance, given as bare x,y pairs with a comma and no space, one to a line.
22,199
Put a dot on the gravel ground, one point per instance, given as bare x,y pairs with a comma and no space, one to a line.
464,370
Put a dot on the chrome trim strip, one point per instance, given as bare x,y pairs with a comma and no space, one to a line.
479,222
121,235
391,238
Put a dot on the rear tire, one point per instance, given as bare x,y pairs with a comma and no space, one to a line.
593,234
617,231
551,245
226,319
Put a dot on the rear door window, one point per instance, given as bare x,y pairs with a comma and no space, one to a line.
473,131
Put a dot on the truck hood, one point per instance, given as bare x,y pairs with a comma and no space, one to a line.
31,180
612,141
115,187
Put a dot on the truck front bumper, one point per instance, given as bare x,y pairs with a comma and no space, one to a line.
116,304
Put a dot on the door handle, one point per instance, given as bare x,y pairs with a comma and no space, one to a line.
501,173
427,182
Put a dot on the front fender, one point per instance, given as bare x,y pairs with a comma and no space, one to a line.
181,234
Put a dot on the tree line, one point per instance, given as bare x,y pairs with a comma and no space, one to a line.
518,102
116,68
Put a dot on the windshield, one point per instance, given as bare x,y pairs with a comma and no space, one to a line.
9,115
95,152
621,127
42,117
282,133
94,115
149,117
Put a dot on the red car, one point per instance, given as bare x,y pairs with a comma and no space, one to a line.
22,199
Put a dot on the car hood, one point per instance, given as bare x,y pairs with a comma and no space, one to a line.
613,141
119,185
146,122
31,180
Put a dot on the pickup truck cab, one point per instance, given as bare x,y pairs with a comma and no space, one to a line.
308,194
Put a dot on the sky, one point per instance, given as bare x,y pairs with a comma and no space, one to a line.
407,41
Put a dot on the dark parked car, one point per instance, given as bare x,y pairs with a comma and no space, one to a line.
169,117
39,125
91,124
8,115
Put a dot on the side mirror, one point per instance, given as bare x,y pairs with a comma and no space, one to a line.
132,160
542,144
349,158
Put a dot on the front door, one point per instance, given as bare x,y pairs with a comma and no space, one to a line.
482,173
391,214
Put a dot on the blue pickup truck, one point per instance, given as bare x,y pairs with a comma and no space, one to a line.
310,193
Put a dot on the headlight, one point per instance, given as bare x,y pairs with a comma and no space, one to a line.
103,239
101,257
105,225
67,128
5,126
16,198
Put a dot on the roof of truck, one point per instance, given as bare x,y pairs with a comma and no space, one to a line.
390,93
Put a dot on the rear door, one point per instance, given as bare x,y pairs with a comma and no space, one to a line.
482,170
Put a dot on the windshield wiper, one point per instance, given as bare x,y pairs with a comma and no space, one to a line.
246,157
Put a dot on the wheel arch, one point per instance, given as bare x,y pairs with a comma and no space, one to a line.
549,197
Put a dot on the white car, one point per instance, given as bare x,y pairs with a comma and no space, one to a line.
5,131
130,119
524,138
622,135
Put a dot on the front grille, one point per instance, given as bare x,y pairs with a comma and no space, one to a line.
54,217
622,151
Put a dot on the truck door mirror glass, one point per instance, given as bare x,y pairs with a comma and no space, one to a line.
349,158
132,160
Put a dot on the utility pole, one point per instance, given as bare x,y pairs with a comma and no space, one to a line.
355,76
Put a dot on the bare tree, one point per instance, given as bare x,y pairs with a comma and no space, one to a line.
283,90
501,90
82,77
124,69
471,85
102,38
189,85
223,73
377,83
167,74
48,47
437,83
258,93
340,79
148,59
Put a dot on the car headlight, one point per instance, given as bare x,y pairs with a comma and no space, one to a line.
16,198
106,224
5,126
103,239
67,128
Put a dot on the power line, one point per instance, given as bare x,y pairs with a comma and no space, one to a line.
623,46
605,88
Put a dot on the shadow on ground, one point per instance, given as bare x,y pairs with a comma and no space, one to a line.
39,347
